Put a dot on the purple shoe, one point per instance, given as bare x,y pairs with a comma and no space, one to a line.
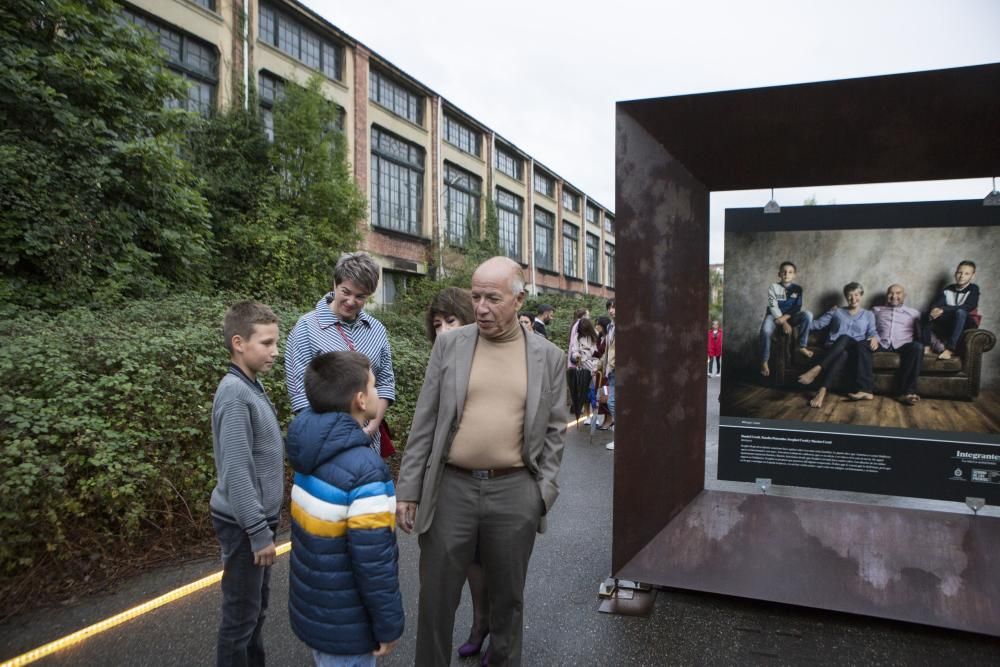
485,662
470,648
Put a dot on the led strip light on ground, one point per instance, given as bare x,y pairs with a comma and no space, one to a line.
118,619
125,616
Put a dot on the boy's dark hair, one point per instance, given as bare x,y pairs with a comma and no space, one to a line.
332,380
242,317
526,313
450,301
544,308
967,262
850,287
610,302
787,263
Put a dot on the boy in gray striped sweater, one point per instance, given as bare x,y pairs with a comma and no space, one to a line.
249,462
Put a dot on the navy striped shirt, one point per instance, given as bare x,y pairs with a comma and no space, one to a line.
316,333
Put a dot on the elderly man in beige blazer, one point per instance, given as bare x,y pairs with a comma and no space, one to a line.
480,466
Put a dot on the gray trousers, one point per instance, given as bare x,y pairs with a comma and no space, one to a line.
502,515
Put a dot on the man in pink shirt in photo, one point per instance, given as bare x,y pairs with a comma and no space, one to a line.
898,330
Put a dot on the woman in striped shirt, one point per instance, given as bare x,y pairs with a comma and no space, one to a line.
339,323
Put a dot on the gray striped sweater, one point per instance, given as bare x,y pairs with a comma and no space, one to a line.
249,457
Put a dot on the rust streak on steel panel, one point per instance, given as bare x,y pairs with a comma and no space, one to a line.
912,565
662,285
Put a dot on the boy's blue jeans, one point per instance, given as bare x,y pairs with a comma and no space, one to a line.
330,660
949,323
245,589
611,394
801,319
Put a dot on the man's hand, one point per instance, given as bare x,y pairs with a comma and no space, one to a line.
372,428
787,328
406,514
384,648
265,557
873,343
936,313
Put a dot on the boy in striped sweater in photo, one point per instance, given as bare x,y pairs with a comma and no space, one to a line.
344,600
249,463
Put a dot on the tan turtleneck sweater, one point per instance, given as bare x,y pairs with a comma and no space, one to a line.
491,433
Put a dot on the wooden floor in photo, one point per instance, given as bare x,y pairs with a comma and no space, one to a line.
980,415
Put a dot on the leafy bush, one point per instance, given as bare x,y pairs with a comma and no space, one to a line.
105,419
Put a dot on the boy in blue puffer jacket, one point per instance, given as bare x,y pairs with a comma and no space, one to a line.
344,598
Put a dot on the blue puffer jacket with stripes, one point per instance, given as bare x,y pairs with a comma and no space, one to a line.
344,595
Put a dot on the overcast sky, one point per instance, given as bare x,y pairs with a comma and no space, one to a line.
546,74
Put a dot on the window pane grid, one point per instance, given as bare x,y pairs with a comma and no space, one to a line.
509,207
462,192
592,214
395,98
571,202
571,248
192,59
544,239
609,224
544,185
508,164
593,264
397,183
288,35
461,136
609,257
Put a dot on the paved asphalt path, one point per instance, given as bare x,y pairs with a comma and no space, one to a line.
562,625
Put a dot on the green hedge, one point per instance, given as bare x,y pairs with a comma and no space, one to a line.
105,420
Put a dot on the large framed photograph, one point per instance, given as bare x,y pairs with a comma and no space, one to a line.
860,349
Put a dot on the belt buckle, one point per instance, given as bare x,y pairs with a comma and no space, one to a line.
480,474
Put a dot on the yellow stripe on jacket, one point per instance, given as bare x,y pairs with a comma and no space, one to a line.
323,528
372,521
316,526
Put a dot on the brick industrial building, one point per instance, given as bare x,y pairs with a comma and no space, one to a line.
424,164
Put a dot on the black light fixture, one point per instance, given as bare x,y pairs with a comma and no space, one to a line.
993,198
772,206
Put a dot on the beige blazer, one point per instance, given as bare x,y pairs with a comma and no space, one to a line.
439,412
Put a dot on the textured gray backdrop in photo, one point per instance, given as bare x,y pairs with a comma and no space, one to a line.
922,260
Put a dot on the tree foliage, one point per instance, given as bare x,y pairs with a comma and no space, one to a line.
95,200
281,212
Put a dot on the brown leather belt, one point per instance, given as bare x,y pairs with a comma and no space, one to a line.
486,474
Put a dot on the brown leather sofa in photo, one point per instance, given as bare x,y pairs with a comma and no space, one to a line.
955,378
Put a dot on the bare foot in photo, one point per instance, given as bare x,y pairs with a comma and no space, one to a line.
806,352
810,376
860,396
765,370
945,355
817,400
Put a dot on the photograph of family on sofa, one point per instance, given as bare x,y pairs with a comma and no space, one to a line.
866,327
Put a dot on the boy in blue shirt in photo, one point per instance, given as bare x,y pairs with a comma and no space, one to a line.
784,309
344,600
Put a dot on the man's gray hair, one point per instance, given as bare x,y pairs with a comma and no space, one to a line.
517,282
359,268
